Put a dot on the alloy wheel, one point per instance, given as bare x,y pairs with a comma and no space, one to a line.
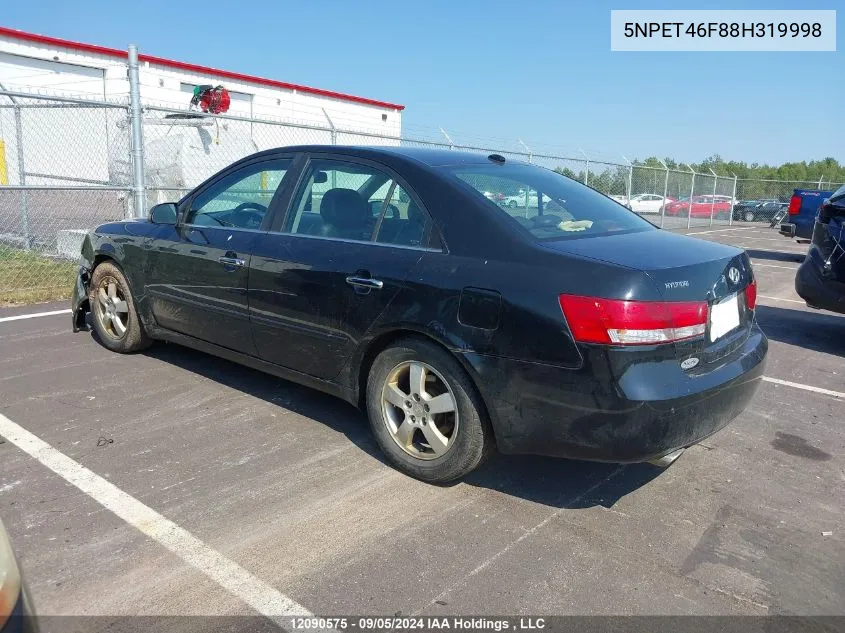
419,410
111,308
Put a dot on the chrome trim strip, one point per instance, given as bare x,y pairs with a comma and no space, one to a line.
370,242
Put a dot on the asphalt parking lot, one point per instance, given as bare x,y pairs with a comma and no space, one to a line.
261,492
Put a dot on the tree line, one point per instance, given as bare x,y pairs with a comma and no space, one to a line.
825,170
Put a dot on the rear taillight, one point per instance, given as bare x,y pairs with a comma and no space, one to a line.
794,205
751,295
619,322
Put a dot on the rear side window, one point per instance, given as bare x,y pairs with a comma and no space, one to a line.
548,205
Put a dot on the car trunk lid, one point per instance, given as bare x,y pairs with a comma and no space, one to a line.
684,269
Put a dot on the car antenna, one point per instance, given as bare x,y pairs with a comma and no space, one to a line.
496,158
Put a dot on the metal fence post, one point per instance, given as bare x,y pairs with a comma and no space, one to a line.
713,201
527,150
665,192
733,202
586,167
22,177
630,191
691,194
139,186
331,125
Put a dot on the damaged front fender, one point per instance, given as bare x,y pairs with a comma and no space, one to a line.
79,305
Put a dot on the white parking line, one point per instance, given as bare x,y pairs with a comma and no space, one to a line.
229,575
719,231
782,241
798,385
33,315
768,250
757,265
779,299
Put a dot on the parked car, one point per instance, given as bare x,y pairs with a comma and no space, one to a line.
648,203
820,280
16,615
702,207
495,196
458,327
522,200
803,207
757,210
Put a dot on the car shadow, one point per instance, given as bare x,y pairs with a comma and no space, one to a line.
775,256
554,482
562,483
817,331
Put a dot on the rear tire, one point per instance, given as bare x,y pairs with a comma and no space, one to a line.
113,311
749,216
407,382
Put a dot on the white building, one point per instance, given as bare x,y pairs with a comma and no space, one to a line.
64,146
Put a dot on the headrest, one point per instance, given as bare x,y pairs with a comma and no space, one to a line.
344,209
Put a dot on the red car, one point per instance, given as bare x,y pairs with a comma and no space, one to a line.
702,206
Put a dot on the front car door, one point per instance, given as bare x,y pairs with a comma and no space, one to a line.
352,235
197,271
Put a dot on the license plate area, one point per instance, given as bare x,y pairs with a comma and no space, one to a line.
724,317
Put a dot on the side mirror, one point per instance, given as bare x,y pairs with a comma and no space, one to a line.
163,213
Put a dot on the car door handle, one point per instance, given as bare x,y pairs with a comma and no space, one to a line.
365,282
231,261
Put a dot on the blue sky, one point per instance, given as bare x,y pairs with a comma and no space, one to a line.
541,71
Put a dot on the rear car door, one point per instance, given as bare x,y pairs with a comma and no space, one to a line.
352,236
197,271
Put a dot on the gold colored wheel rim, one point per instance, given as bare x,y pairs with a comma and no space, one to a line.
419,410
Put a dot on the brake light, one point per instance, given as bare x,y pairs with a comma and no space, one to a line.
619,322
751,295
794,205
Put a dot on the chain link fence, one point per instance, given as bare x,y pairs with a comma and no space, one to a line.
66,167
54,185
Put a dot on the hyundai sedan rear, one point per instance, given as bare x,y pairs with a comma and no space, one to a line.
388,277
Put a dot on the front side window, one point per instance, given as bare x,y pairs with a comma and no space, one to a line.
547,204
240,199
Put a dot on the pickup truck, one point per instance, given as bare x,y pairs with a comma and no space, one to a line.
802,210
820,280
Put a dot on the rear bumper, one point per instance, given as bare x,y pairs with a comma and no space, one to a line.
801,231
787,229
649,410
819,291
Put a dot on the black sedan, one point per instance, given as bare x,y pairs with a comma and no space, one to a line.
385,276
756,210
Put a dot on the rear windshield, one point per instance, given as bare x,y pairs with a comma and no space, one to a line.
547,204
838,195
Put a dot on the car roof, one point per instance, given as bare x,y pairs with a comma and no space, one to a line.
431,156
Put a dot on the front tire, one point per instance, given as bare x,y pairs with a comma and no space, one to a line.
425,412
749,216
113,311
